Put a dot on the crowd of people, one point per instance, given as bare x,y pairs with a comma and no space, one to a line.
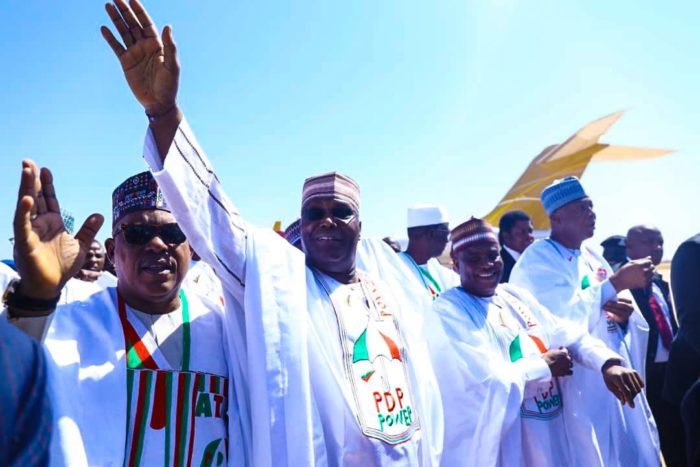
194,337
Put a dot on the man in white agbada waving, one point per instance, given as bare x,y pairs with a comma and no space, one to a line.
502,360
337,369
575,282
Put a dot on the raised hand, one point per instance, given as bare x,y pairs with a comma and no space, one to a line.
636,274
150,64
624,383
559,362
45,254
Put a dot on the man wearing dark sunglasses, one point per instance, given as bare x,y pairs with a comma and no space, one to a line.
337,368
428,233
140,375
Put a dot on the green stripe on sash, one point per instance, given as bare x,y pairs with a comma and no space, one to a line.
129,392
168,411
185,332
132,359
428,276
515,350
184,418
145,392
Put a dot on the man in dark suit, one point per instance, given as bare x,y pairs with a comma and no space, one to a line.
655,304
514,235
683,368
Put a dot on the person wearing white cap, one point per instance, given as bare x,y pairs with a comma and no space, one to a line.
575,282
428,234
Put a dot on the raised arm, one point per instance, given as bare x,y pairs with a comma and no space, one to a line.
150,66
45,254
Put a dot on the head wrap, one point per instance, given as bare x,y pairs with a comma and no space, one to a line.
472,231
560,193
293,232
68,220
421,215
137,193
332,184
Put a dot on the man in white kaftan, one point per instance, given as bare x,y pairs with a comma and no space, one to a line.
503,362
428,233
336,369
139,374
575,282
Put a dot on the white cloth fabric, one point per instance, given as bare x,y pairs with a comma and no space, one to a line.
106,279
88,379
302,405
431,276
202,278
572,285
502,406
77,290
421,215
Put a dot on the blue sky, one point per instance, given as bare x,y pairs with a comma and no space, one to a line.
443,102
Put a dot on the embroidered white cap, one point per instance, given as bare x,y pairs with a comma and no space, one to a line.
421,215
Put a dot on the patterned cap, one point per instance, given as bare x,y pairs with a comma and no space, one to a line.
332,184
293,232
68,220
560,193
137,193
472,231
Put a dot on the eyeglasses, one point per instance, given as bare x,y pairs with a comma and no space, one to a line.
342,213
140,234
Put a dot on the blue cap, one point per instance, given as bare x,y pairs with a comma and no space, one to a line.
560,193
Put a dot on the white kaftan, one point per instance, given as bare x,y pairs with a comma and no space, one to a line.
315,396
574,284
501,404
432,276
119,400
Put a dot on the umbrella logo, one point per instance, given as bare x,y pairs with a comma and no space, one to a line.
371,345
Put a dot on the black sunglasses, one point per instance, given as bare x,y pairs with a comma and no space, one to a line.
343,213
140,234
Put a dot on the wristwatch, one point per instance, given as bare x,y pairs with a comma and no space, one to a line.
21,306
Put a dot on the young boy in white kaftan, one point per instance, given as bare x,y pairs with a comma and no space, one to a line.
138,373
503,358
337,370
576,283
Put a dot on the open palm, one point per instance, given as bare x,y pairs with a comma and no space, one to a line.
149,63
46,255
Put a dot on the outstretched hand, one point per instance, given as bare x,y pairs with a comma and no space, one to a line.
623,382
149,63
45,254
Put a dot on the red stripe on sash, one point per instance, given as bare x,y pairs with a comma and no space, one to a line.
136,435
158,412
199,378
178,417
225,393
132,339
213,387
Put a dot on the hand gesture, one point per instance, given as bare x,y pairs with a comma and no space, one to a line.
559,362
149,64
636,274
45,254
624,383
619,310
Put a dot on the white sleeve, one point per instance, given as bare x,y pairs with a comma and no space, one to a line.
550,285
210,221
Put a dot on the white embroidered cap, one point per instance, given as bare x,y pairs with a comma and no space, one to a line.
421,215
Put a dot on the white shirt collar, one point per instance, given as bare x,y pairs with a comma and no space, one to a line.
512,252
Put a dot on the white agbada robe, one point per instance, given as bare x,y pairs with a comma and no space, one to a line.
501,404
315,398
110,412
574,284
432,276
